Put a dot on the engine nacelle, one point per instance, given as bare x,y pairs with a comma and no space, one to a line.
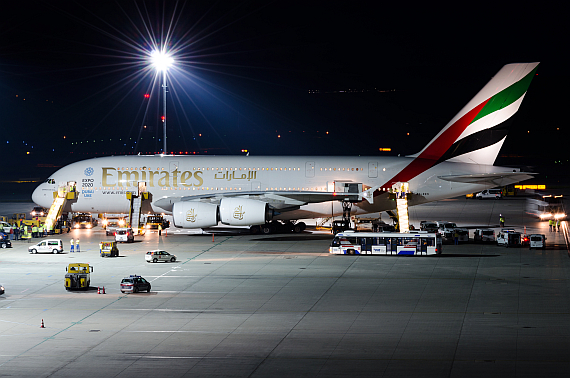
244,212
193,214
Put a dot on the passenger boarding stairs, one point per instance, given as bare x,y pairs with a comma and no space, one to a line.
135,214
56,208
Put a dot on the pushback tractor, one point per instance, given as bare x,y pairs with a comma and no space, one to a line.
78,276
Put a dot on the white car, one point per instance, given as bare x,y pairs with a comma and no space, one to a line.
158,255
47,246
489,193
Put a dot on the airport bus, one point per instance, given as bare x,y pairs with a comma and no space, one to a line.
386,243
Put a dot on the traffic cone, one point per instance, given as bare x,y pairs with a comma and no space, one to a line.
98,290
42,326
212,238
103,291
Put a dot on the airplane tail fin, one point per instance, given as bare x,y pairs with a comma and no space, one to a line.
476,134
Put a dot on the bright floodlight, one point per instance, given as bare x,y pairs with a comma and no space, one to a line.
161,60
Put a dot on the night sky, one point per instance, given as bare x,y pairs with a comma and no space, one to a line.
275,78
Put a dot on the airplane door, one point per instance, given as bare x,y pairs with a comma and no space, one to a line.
373,169
310,169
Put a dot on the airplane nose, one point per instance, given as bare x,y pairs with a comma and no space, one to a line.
40,196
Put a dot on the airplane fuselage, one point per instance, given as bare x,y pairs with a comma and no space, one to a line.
103,183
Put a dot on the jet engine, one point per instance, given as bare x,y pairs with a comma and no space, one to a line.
244,212
194,214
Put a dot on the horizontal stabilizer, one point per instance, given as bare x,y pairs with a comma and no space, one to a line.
492,179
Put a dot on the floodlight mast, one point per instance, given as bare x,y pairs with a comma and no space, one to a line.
161,61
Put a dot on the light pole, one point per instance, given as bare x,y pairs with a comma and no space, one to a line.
161,61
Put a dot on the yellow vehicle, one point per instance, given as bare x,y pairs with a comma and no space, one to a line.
83,220
78,276
108,249
155,220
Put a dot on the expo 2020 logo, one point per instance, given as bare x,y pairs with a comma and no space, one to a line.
88,171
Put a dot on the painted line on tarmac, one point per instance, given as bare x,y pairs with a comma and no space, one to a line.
204,251
46,338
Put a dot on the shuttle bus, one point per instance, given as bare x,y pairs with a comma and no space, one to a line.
386,243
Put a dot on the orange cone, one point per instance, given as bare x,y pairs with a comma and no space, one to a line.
42,326
212,238
103,291
98,290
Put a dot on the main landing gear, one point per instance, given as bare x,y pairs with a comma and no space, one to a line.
276,227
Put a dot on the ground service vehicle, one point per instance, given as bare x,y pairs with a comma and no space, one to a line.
39,211
47,245
78,276
386,243
124,235
484,235
155,220
156,256
82,221
108,249
509,238
110,225
537,241
340,226
61,226
429,226
5,227
134,284
489,193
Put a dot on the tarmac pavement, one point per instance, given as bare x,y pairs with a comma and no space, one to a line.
280,305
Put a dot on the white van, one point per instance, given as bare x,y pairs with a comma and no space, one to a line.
47,245
489,193
537,241
124,235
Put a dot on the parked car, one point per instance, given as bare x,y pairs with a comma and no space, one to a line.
489,193
47,245
156,256
5,242
484,235
537,241
134,284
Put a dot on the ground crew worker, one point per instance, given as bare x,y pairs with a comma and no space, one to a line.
159,229
456,237
16,232
501,220
558,225
40,231
550,224
72,246
77,245
34,231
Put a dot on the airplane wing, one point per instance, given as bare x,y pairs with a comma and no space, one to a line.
279,200
494,178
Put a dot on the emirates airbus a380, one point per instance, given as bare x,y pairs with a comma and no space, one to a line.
202,191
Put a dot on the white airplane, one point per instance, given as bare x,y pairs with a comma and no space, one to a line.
202,191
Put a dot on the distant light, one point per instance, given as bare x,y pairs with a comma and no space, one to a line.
385,149
278,136
147,96
407,133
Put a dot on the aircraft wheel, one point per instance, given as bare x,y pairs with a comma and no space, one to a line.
266,229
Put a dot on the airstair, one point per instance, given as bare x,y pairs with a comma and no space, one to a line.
135,213
64,193
401,218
